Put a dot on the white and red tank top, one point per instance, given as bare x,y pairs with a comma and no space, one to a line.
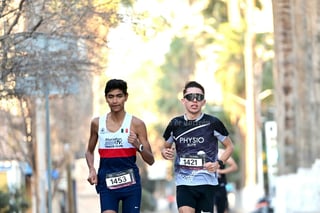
115,144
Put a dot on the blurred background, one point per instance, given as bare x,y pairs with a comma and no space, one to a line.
259,61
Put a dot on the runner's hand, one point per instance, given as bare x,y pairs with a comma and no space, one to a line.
211,167
168,153
93,179
133,139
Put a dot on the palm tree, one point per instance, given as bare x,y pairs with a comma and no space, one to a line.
296,74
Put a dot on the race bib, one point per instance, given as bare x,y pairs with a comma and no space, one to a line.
120,179
194,162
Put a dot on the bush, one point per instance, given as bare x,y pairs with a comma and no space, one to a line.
13,202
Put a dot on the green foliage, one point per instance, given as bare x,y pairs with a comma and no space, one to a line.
225,118
222,115
217,9
148,201
229,50
258,4
128,3
179,65
235,177
13,201
267,80
4,201
265,45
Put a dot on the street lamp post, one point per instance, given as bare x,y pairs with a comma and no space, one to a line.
48,149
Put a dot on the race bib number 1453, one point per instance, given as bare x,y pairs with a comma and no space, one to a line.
120,179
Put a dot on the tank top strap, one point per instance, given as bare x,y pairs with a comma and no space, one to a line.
126,123
102,122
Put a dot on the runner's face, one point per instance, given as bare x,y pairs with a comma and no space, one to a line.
193,100
116,99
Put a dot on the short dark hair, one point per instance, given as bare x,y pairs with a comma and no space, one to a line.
192,84
116,84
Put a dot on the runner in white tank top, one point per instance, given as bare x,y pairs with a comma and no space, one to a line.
120,137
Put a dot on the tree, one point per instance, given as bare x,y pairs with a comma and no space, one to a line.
51,46
296,74
180,64
56,45
53,26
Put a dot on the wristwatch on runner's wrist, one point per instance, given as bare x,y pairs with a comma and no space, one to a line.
220,163
140,149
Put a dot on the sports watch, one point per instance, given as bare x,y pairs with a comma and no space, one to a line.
220,163
140,149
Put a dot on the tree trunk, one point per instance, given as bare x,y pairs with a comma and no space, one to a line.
297,82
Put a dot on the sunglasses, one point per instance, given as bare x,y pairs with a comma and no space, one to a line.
192,96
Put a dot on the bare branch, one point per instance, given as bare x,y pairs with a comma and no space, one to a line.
16,19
